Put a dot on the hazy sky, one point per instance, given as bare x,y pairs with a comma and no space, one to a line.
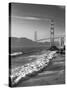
28,18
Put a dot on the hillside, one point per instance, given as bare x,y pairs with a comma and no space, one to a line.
21,43
25,45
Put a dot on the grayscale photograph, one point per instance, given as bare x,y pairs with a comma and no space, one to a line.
36,44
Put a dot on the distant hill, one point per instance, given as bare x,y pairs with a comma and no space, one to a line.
21,43
24,42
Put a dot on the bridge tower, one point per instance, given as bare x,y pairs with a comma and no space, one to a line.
52,33
35,35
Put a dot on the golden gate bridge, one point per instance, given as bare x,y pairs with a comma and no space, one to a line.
52,38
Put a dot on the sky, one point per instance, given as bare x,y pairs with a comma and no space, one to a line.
28,18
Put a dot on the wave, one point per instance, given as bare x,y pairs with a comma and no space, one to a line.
16,53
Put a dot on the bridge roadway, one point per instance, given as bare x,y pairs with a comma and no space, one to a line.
56,37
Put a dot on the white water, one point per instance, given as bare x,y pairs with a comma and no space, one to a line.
16,53
41,62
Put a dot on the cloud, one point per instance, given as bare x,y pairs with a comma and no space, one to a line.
27,18
32,18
